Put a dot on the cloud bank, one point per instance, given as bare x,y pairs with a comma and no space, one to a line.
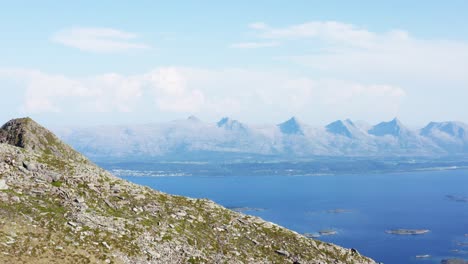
211,92
345,49
98,40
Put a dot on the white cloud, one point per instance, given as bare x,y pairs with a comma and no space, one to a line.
258,25
172,92
254,45
247,94
347,50
105,40
330,31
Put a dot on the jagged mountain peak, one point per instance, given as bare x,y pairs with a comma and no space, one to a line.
451,128
27,134
349,121
341,127
393,128
223,121
292,126
230,124
193,118
396,121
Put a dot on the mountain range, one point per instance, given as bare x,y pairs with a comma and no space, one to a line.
291,138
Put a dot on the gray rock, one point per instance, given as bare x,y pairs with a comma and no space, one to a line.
282,252
3,185
23,170
55,177
29,166
181,213
104,243
16,199
115,188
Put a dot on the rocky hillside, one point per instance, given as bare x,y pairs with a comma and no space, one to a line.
58,207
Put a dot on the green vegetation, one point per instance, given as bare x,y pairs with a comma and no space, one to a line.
57,183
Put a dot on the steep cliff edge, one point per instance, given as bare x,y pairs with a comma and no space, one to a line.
58,207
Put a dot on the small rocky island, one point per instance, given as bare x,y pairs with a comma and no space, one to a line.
56,206
338,211
328,232
407,231
246,209
312,235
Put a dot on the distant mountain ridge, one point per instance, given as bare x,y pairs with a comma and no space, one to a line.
393,128
291,138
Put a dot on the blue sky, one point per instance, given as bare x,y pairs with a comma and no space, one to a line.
115,62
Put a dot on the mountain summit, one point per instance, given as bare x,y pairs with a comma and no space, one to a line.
291,127
27,134
456,130
230,124
393,128
193,118
451,136
56,207
343,128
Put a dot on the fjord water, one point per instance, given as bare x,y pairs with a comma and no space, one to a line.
373,203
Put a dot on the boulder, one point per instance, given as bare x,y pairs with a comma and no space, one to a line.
3,185
282,252
29,166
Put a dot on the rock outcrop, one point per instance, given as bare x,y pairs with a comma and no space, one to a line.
58,207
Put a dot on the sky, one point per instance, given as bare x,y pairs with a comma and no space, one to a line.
124,62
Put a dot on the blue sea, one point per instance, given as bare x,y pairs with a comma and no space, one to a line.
370,204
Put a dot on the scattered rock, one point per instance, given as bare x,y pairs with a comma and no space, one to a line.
181,213
115,188
109,204
29,166
104,243
23,170
282,252
16,199
140,197
241,221
3,185
54,177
